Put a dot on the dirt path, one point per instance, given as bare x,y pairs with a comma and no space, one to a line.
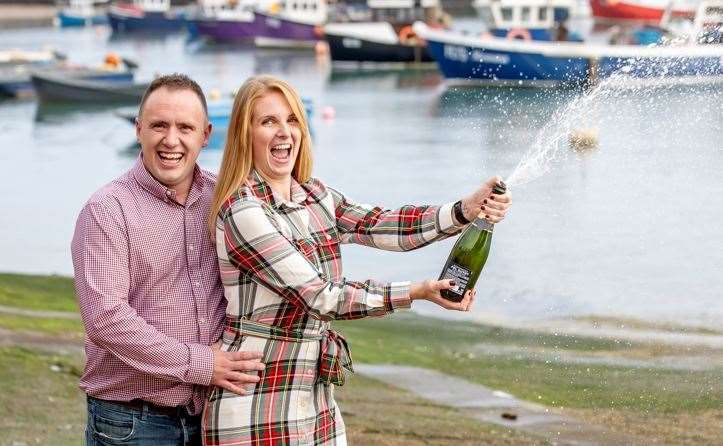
482,403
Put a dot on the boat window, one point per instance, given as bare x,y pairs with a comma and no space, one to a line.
313,6
303,6
525,13
543,14
506,14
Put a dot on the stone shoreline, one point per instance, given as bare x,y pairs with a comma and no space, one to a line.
13,16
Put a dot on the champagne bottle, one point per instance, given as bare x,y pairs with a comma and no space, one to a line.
469,254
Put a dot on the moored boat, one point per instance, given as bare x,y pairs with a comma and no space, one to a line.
16,82
290,23
15,66
81,13
525,62
640,10
146,15
54,88
225,21
384,35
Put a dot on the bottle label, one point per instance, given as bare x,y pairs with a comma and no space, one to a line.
460,275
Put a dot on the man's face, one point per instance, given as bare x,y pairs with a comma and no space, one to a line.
172,130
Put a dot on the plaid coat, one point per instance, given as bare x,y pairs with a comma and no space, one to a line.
281,269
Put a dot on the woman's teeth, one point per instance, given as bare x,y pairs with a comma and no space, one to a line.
281,152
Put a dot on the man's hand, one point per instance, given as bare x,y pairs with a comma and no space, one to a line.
229,369
430,290
483,201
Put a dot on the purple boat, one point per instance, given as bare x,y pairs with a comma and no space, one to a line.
290,30
231,26
285,24
222,21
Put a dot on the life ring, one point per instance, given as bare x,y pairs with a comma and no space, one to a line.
518,33
406,33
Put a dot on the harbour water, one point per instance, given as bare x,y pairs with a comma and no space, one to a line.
631,229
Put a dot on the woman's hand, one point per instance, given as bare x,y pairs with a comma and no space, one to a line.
482,201
430,290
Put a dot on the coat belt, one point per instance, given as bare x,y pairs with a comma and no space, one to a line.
334,354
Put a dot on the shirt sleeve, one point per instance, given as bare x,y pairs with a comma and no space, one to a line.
403,229
102,283
253,244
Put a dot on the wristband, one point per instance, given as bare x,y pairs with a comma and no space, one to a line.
458,214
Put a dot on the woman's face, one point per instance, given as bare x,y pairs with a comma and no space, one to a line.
276,137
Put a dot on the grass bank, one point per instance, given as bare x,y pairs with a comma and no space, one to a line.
663,405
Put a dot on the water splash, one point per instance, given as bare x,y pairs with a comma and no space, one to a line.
551,145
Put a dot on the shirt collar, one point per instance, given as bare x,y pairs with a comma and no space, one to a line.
161,191
261,189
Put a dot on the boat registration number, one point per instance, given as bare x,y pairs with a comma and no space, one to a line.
463,54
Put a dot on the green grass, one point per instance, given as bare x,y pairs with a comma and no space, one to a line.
65,328
43,293
40,402
660,397
442,345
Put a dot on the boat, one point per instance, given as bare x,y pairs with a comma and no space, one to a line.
146,15
81,13
290,23
16,81
54,88
15,66
650,11
527,19
384,35
521,61
225,21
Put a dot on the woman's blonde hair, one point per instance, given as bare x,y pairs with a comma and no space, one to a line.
237,160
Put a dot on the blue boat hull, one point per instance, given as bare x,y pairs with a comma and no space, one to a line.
484,64
66,20
150,21
461,62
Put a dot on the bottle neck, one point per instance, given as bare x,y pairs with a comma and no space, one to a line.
483,224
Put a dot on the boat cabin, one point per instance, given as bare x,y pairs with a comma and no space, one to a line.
152,5
304,11
526,19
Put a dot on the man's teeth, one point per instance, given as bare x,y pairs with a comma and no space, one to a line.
170,156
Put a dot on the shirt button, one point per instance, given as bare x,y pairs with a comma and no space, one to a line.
328,237
197,283
203,320
190,247
310,371
169,192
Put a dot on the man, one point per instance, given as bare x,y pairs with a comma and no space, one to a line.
147,281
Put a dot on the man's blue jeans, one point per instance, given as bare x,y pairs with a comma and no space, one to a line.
111,424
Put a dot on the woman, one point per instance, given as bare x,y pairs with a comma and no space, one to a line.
277,235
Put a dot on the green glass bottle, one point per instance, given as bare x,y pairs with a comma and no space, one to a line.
469,255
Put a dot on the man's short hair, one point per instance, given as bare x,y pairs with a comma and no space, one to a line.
175,81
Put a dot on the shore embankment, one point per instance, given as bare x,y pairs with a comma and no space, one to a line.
22,15
650,392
